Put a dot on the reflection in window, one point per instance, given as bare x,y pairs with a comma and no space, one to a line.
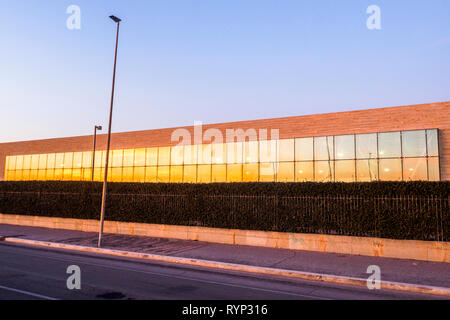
190,154
324,171
433,144
250,172
234,173
268,150
42,161
151,174
35,162
345,171
77,160
433,169
251,151
323,148
389,145
345,147
164,173
415,169
304,171
151,155
176,174
190,174
267,172
219,153
234,152
366,146
304,149
177,155
286,172
27,162
204,173
128,158
367,170
204,154
127,174
286,150
139,157
414,144
139,174
164,156
19,162
390,170
219,173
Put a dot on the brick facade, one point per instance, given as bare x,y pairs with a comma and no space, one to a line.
414,117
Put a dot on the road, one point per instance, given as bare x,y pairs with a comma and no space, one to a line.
29,273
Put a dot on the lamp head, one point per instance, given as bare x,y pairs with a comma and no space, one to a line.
115,19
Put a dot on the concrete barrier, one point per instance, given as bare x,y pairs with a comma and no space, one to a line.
375,247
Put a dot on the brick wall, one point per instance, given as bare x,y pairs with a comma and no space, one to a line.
424,116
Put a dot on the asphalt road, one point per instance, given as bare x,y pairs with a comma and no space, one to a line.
36,273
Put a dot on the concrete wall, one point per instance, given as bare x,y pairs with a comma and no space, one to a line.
424,116
375,247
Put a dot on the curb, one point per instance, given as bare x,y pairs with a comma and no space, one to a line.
387,285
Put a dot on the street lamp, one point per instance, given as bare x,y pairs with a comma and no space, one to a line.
93,152
102,214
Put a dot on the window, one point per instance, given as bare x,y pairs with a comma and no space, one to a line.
139,173
190,174
68,160
234,173
128,158
251,152
176,174
219,173
389,145
432,143
323,148
286,172
268,150
77,160
151,156
117,158
433,169
267,172
286,150
139,157
304,171
190,154
414,144
366,146
163,156
163,174
19,162
304,149
151,174
219,153
204,154
127,174
367,170
345,147
391,170
234,152
250,172
34,162
177,154
345,171
415,169
204,173
324,171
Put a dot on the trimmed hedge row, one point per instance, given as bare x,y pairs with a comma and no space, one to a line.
413,210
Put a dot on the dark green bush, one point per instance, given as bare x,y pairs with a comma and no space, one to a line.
398,210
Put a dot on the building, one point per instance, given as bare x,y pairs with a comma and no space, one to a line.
388,144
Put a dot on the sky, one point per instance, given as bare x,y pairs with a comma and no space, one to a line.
213,61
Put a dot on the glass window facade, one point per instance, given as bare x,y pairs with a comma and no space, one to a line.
387,156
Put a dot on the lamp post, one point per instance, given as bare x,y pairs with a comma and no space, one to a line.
93,151
102,214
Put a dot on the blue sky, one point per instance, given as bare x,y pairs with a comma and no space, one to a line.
214,61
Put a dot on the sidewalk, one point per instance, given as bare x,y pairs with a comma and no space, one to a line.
395,270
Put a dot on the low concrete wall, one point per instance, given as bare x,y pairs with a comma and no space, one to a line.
375,247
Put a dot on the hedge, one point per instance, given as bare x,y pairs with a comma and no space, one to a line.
397,210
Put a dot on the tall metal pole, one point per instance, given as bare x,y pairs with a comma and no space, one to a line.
105,181
93,151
